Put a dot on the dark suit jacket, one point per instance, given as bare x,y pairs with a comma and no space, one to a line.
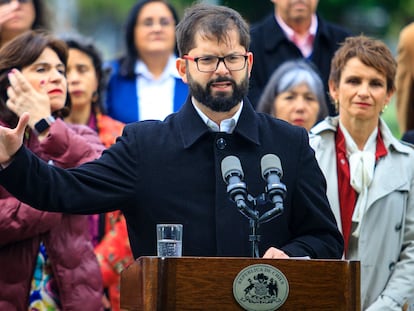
170,172
408,136
271,48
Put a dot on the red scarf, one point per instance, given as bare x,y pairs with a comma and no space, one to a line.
347,194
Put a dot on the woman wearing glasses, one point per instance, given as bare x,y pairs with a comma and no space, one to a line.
144,83
19,16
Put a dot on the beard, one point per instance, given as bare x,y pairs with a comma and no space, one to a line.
221,101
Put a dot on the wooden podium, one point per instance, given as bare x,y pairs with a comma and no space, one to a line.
206,283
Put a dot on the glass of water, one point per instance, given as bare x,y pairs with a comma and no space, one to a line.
169,240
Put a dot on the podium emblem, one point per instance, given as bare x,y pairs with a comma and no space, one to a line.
260,287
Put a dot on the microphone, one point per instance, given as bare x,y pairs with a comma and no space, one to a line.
232,173
272,173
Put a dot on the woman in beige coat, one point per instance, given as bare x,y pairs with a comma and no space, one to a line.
370,174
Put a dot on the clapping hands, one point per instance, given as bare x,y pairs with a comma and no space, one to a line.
25,101
23,97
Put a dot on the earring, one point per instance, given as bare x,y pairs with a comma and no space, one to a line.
95,96
336,102
384,108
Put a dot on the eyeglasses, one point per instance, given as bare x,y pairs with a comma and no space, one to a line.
150,22
233,62
8,1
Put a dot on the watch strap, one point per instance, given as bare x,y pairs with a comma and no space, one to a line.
43,124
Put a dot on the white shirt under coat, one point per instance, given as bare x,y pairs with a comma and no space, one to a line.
155,96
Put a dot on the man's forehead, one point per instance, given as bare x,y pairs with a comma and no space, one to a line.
230,39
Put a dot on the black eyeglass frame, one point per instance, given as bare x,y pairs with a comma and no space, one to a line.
219,60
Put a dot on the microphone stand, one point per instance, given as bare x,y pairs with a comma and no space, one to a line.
255,219
275,192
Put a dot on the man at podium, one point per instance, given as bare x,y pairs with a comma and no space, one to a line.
170,171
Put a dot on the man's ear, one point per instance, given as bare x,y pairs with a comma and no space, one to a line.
181,65
250,62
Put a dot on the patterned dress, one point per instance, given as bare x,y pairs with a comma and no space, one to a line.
43,293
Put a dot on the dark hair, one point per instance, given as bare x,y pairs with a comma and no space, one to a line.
42,15
86,45
128,61
287,76
20,53
371,52
212,22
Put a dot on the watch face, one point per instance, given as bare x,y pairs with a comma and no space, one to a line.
41,126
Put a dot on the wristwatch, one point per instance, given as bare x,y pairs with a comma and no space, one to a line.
43,124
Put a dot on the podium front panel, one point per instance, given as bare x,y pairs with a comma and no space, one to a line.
206,283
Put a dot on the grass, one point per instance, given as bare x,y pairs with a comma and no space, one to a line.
390,117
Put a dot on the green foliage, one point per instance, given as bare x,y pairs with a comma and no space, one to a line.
353,14
400,10
119,9
390,117
252,11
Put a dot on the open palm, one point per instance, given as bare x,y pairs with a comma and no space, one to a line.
12,139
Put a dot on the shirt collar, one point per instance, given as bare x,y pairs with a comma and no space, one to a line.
192,126
290,32
352,147
227,125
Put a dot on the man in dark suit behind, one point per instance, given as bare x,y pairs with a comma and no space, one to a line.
293,30
170,171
